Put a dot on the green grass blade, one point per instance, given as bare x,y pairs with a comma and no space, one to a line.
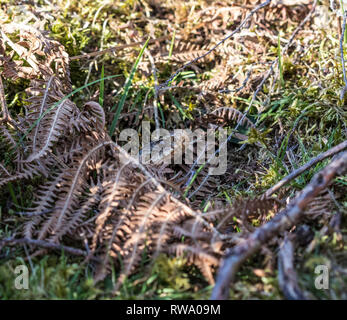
172,44
161,114
102,86
193,179
180,108
12,193
126,89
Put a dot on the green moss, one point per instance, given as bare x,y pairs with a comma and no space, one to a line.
71,35
50,278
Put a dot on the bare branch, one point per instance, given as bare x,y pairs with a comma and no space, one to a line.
259,87
238,29
282,221
340,147
287,277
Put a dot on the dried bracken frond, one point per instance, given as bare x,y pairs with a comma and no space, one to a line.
231,114
71,145
31,47
249,211
185,51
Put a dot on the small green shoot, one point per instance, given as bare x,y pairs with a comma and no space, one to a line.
126,90
172,44
102,86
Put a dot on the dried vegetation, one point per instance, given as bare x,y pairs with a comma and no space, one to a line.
68,185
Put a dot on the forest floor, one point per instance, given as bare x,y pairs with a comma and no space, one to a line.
298,112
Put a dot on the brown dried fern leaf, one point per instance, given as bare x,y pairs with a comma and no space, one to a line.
94,192
46,57
228,114
186,51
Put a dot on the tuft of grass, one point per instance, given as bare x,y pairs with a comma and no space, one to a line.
126,90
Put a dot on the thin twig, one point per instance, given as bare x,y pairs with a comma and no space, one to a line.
285,219
243,85
5,113
5,170
155,100
259,87
340,147
32,214
287,276
238,29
